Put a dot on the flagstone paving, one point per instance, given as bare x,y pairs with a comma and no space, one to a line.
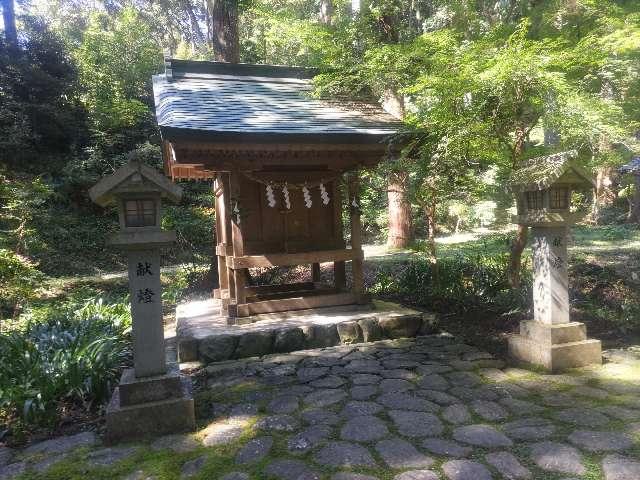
427,408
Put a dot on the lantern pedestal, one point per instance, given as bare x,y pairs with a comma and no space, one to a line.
150,406
555,347
551,340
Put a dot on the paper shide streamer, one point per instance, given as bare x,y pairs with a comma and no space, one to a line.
271,199
285,194
323,194
236,212
307,197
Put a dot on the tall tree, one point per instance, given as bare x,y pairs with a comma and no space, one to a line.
399,211
223,28
9,19
326,11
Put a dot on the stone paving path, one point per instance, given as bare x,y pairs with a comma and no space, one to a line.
411,409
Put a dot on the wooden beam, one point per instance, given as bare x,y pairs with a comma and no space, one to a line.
288,259
286,295
283,287
283,146
224,250
299,303
250,160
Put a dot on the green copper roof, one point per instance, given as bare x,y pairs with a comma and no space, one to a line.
540,173
212,100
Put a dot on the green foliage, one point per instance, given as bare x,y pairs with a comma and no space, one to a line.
70,356
40,119
116,60
462,283
19,280
20,200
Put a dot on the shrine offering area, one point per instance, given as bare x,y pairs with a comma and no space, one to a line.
425,408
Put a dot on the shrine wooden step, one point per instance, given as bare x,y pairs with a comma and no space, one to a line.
253,291
298,303
313,291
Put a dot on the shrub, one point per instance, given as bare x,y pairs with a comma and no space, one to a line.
18,281
68,357
462,283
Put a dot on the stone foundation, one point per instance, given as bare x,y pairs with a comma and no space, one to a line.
204,335
555,347
150,406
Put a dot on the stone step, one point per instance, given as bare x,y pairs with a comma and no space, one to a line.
556,358
202,332
553,334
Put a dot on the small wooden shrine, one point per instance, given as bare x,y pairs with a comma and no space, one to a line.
277,157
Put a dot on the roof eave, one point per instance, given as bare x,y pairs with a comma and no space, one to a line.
174,134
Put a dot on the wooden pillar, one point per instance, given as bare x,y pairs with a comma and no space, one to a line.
339,273
315,272
356,232
223,279
226,230
239,275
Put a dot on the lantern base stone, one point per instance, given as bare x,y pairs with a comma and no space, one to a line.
135,390
555,347
174,414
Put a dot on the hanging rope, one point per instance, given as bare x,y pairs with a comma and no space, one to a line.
292,186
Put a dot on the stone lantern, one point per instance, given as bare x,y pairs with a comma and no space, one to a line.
543,188
152,397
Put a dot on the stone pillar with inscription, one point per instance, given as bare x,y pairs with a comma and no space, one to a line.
152,398
551,339
149,356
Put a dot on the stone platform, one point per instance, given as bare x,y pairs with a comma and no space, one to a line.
203,334
555,347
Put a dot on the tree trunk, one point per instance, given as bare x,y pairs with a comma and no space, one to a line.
430,217
196,33
517,247
400,231
224,30
520,242
9,19
605,193
326,11
635,208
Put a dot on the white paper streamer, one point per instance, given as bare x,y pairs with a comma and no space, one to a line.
271,199
324,195
236,212
285,193
307,197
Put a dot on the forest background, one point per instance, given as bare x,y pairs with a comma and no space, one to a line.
480,85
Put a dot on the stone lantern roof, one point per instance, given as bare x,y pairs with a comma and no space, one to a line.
134,177
540,173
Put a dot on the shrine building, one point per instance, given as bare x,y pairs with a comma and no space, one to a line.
278,158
